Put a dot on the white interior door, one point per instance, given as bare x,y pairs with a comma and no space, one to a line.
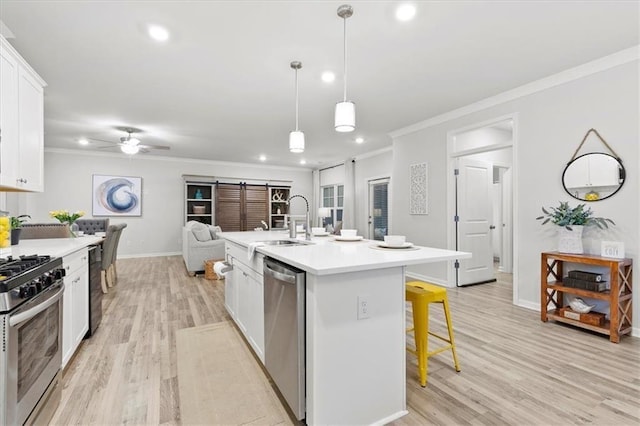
506,260
474,201
378,209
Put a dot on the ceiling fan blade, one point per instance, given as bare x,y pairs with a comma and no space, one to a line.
145,146
102,140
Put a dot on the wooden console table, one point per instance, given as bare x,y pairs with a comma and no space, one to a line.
618,296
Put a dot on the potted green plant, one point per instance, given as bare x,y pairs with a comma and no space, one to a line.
571,222
15,223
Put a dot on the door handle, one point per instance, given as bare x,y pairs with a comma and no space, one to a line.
492,227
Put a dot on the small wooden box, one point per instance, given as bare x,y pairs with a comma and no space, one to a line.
593,318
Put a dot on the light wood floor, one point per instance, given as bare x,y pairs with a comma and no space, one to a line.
515,369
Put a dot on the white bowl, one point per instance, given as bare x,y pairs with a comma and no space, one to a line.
394,240
317,230
348,232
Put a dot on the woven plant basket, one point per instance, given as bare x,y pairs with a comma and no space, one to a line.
209,273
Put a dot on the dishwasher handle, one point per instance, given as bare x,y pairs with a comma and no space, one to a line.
280,276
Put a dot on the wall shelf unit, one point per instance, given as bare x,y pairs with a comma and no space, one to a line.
198,204
619,295
278,207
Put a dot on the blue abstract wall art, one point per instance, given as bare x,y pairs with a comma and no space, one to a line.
117,195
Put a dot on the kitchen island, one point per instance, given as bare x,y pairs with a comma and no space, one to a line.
54,247
355,363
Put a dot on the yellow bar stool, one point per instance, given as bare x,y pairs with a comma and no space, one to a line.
421,294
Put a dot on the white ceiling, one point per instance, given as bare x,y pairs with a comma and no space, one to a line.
222,89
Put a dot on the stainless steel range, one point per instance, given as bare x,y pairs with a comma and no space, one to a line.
31,290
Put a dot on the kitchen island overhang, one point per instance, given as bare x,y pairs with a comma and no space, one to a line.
355,365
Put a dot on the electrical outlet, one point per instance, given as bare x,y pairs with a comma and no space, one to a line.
364,309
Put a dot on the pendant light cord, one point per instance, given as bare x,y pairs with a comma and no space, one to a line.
345,58
296,99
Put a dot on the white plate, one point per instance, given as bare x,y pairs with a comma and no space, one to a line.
405,245
356,238
323,234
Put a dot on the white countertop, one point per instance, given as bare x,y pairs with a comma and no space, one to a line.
54,247
329,256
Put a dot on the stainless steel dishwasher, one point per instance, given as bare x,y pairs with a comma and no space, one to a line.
284,331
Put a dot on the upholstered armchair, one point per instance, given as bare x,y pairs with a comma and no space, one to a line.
91,226
199,243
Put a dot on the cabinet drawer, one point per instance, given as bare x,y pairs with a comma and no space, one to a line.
76,261
240,253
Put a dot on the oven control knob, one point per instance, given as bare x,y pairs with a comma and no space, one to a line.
32,290
48,280
59,273
24,292
38,285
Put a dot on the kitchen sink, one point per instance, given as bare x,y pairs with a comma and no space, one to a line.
285,243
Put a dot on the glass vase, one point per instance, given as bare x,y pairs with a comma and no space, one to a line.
74,228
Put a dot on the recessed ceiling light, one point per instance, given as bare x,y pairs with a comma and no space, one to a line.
359,140
405,12
83,141
303,161
263,158
328,77
158,33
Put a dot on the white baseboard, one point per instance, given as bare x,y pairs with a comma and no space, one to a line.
137,255
425,278
534,306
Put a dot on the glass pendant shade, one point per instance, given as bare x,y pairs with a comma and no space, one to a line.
345,119
296,141
129,149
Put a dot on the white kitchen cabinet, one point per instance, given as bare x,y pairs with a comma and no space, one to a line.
8,117
75,314
230,293
244,295
21,123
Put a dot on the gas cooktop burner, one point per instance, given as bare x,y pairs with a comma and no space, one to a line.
10,267
25,277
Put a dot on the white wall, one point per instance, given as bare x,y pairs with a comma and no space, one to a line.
551,123
68,176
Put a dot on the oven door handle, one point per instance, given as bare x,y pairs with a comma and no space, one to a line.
32,312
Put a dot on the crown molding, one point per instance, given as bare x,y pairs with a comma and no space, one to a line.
619,58
373,153
143,157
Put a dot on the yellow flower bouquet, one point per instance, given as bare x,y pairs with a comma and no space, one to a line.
65,217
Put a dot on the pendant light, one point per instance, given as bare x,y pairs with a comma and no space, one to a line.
345,118
296,138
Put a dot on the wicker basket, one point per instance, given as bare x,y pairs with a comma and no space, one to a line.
209,273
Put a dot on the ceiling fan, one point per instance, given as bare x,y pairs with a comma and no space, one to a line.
130,144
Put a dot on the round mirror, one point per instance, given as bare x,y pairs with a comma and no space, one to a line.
593,177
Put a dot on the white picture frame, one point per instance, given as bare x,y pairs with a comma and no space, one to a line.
614,249
116,195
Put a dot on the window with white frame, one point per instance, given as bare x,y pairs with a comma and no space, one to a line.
333,198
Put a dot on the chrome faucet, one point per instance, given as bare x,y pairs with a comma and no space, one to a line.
292,223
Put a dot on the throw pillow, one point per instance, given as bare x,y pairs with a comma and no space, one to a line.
214,231
201,234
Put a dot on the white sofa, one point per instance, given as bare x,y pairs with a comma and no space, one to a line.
200,243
